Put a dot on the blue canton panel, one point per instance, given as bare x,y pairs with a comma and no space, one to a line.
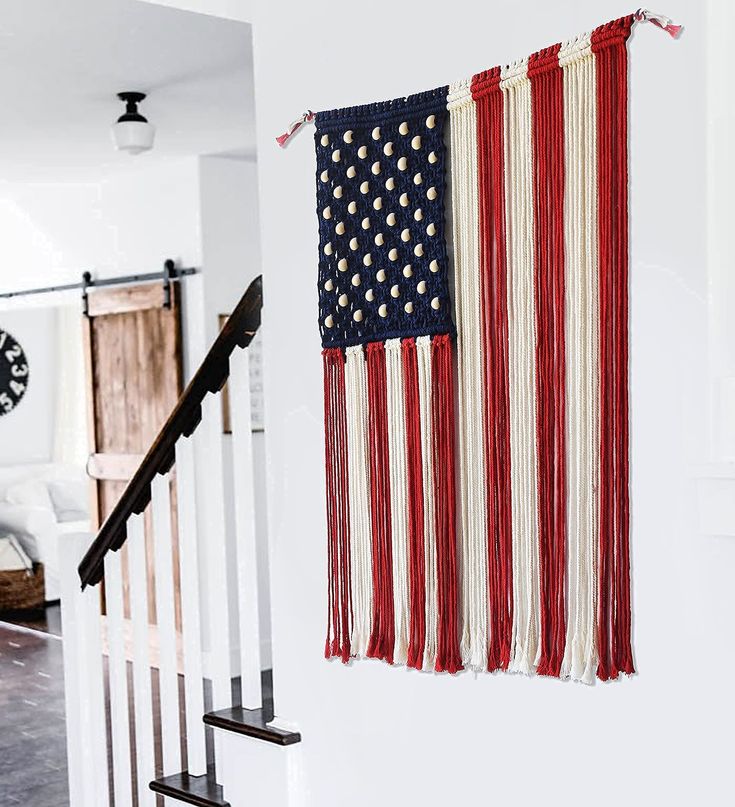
380,201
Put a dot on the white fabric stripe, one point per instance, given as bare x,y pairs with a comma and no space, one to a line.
398,494
519,193
580,220
423,358
592,397
468,295
359,491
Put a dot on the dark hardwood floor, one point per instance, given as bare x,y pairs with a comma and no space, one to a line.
46,620
32,727
32,723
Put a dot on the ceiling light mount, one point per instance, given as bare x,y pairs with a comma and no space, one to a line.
132,133
131,101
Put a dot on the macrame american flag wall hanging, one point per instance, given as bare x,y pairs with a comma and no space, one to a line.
476,367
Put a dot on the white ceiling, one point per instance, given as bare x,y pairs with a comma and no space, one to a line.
62,62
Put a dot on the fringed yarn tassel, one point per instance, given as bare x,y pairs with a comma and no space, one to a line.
522,365
622,624
359,484
442,410
472,473
513,551
548,149
398,496
615,654
423,362
605,171
338,516
382,634
493,267
416,558
580,213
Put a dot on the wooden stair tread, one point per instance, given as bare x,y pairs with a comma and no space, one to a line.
251,723
202,791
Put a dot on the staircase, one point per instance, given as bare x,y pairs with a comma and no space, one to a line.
166,696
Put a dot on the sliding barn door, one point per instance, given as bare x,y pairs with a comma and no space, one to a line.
134,378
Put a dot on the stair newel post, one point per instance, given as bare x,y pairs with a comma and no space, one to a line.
83,682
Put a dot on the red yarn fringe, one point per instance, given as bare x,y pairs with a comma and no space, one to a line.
491,170
338,504
442,410
614,606
414,467
382,637
547,96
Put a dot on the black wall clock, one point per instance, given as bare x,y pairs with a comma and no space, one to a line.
13,373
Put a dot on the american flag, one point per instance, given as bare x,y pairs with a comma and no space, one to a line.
477,475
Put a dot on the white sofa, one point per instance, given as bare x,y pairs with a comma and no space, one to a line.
39,504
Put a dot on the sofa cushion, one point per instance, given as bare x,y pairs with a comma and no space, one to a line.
12,555
69,499
29,493
34,527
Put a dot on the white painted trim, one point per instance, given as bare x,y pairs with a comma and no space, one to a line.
117,661
190,606
142,685
245,533
168,679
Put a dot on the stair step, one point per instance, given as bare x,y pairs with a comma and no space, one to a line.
200,790
251,723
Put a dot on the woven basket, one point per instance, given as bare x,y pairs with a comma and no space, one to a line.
21,590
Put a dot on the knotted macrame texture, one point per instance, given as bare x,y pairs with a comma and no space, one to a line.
505,546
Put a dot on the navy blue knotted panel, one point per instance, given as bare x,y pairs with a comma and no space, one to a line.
380,201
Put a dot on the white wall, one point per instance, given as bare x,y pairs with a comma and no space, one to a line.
27,432
239,10
230,232
230,229
126,224
721,166
378,735
152,214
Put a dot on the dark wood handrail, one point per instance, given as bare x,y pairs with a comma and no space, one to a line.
238,331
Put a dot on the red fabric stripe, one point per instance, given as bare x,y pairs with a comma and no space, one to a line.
490,144
442,416
338,502
614,621
382,637
414,467
547,95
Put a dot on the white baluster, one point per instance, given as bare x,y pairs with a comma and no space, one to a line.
190,607
245,534
212,529
92,688
118,672
168,679
76,729
138,575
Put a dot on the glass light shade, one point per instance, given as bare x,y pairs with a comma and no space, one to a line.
133,137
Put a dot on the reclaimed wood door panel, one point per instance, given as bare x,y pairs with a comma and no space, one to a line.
134,378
